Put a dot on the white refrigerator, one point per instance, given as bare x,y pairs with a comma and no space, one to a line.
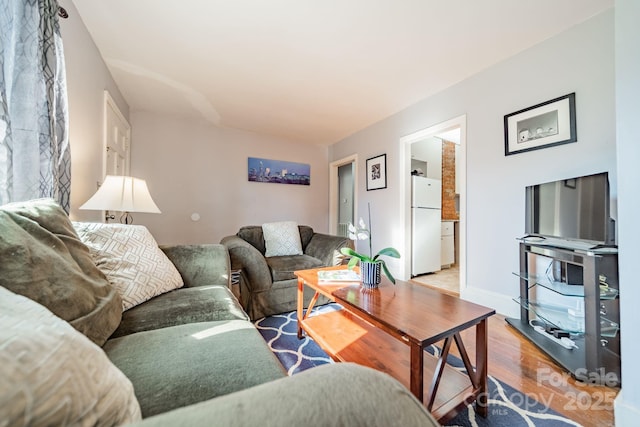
426,229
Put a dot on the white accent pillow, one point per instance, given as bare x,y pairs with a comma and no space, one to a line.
131,259
281,238
51,374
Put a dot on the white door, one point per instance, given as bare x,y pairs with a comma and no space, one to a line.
117,139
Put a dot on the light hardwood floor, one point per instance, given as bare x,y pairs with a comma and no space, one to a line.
446,280
520,364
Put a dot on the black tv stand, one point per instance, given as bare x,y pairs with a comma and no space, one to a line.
585,303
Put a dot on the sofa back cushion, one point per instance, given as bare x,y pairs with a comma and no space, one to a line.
44,260
254,235
52,375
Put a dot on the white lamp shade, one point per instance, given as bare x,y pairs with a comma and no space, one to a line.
123,194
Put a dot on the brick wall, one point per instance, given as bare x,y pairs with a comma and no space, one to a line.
449,181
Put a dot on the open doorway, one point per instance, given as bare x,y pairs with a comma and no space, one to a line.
342,194
435,156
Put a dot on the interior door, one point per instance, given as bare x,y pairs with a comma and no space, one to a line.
117,139
345,196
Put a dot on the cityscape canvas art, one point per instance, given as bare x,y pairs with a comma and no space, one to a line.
278,171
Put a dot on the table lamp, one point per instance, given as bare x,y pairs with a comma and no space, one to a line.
124,194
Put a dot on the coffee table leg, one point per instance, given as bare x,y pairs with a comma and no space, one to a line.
482,368
417,371
300,306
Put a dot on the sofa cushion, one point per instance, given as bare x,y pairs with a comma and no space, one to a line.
253,235
50,374
177,366
328,395
186,305
281,239
44,260
130,258
282,267
327,249
306,234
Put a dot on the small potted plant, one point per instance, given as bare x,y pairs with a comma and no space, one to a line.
370,265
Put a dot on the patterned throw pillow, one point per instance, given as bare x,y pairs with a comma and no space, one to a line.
51,374
281,238
130,258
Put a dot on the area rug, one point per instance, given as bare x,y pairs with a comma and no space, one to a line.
508,407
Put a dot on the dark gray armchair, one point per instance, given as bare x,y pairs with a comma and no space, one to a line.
268,285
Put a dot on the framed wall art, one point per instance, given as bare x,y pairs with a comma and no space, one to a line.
278,171
544,125
377,172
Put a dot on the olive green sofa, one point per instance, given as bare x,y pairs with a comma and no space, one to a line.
268,285
188,357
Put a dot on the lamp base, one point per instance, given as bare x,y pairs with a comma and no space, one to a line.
126,218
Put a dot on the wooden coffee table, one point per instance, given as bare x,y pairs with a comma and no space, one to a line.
389,328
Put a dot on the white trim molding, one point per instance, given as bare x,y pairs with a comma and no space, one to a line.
404,201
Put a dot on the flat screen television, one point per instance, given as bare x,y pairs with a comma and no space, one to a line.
571,209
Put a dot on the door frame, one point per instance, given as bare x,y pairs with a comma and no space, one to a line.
111,110
405,190
334,191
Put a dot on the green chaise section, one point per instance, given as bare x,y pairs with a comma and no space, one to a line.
180,365
342,394
204,297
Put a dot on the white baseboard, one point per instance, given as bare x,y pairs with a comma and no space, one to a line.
502,304
625,413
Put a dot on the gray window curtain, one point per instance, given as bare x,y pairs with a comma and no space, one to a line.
35,158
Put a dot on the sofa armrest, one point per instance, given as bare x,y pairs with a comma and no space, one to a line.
200,265
327,248
342,394
247,258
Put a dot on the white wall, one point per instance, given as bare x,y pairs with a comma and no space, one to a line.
627,405
580,60
193,167
189,166
87,78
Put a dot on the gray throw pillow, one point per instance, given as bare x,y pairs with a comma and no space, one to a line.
281,238
44,260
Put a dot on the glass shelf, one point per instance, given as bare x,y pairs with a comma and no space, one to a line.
559,317
608,328
554,315
606,293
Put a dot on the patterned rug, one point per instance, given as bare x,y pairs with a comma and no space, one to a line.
508,407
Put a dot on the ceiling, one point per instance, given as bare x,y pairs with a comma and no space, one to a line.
309,71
